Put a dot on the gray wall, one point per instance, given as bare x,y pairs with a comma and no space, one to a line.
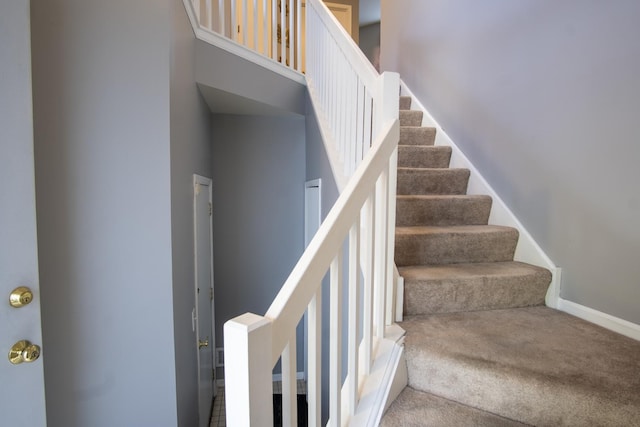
258,206
370,42
190,153
101,110
544,98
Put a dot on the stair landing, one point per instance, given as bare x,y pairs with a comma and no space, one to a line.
534,365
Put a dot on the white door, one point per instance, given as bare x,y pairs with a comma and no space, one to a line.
205,339
22,391
312,220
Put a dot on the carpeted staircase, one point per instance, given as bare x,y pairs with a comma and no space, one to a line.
481,347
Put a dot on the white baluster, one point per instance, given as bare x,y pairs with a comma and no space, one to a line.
300,17
314,379
289,388
245,28
368,214
380,255
335,341
354,316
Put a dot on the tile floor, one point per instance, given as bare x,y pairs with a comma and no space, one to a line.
218,417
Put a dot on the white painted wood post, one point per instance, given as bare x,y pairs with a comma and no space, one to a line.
289,386
354,317
314,380
368,213
247,371
335,341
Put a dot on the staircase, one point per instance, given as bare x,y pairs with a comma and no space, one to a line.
481,348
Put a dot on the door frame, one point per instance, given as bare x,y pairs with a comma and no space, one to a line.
308,235
199,182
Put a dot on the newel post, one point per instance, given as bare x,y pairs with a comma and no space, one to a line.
248,371
388,99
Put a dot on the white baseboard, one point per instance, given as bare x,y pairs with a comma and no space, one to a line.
605,320
527,249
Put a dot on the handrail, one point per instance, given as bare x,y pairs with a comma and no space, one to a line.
274,333
357,112
263,26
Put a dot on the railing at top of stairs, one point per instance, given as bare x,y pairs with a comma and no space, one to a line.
357,110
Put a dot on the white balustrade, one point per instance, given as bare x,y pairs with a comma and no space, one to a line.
357,110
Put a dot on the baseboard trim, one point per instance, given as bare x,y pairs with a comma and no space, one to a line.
527,249
599,318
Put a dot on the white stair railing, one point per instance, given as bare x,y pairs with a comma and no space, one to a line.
358,114
273,28
357,111
253,344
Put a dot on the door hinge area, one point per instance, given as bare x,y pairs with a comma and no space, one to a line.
211,294
210,209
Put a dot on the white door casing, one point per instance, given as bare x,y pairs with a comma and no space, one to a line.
203,318
312,220
22,400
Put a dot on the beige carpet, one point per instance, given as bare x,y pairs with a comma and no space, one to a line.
481,348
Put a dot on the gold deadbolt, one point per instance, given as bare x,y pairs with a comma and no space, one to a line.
23,351
20,297
203,343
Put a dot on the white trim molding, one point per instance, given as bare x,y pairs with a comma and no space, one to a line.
599,318
527,250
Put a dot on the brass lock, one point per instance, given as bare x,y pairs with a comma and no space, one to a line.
203,343
24,351
20,297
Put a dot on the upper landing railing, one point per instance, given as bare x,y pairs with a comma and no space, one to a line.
357,112
272,28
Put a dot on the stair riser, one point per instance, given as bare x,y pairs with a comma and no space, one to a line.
472,294
423,157
443,211
432,181
455,247
405,102
417,135
410,118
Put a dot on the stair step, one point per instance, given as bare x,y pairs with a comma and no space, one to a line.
535,365
454,244
417,135
417,408
442,210
470,287
405,102
418,156
422,181
410,118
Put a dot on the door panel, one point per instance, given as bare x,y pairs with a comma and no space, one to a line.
204,296
22,393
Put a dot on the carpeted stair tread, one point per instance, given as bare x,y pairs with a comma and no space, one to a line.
405,102
410,118
469,287
442,210
424,181
435,245
424,156
535,365
417,135
415,408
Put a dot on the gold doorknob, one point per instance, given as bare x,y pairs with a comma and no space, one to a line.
203,343
20,297
23,351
